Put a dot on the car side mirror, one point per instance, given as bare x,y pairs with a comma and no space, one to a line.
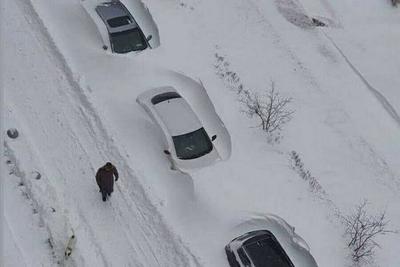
148,38
105,47
166,152
213,137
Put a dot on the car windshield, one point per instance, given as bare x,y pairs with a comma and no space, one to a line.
192,145
127,41
267,253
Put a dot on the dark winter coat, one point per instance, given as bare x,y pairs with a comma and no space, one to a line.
105,179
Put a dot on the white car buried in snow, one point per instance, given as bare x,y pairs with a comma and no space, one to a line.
190,144
124,25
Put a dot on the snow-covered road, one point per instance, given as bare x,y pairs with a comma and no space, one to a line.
74,105
70,142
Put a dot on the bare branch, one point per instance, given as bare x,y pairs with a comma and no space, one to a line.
270,109
362,229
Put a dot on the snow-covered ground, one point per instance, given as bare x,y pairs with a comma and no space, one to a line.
74,105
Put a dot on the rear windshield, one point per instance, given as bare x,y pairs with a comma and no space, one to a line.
192,145
119,21
267,252
164,97
127,41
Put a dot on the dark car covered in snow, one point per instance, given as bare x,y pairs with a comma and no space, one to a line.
268,241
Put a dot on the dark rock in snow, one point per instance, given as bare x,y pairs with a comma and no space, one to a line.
12,133
318,23
36,175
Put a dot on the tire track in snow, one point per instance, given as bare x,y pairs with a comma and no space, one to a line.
378,95
147,220
11,233
127,195
57,237
280,44
34,23
41,203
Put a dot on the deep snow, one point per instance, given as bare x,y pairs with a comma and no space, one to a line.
68,144
344,80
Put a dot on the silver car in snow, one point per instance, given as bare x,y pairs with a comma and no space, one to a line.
188,143
268,241
119,29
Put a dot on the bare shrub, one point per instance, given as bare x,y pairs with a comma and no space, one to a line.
395,2
362,229
270,108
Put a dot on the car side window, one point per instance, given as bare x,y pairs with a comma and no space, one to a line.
243,257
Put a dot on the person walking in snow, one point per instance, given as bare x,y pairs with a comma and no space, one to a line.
105,179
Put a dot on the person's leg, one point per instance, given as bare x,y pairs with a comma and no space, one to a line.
104,195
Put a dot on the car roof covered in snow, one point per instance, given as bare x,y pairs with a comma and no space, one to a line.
116,17
175,112
138,11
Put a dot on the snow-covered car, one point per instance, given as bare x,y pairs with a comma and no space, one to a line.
268,241
189,144
123,29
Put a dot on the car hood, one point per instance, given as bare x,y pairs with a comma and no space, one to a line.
168,110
